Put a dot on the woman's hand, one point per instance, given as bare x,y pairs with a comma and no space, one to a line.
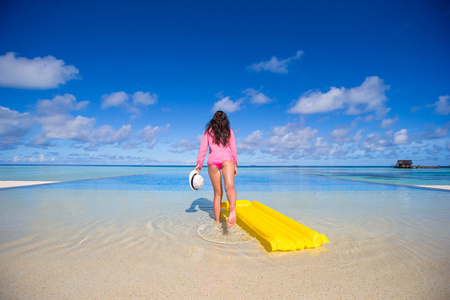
198,169
235,171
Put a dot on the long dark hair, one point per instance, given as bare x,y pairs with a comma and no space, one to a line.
220,128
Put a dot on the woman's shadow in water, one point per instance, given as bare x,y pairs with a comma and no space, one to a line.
204,205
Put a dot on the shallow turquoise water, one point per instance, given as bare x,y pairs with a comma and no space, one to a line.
66,173
248,175
388,175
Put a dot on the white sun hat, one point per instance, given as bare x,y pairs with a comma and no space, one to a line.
195,180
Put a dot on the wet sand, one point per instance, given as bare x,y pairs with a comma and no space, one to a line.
120,244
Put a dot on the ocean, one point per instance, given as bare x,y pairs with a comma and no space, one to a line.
387,175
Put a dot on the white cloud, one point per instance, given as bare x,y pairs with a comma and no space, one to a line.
388,123
292,136
81,130
227,105
13,127
337,151
103,133
291,140
257,97
388,140
436,133
36,73
317,102
374,142
122,135
144,99
358,135
442,105
30,159
251,143
339,135
111,136
148,134
59,104
13,123
186,145
58,124
370,96
126,136
286,141
275,65
130,103
401,137
117,99
64,127
434,151
319,143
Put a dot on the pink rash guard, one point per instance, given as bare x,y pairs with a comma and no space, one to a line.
218,154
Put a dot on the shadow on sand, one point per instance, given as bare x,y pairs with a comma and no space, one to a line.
202,204
206,205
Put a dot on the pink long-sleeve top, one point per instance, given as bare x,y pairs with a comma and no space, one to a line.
217,153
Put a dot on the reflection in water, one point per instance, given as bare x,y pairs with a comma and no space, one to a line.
223,235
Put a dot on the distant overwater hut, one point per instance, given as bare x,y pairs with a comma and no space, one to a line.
406,164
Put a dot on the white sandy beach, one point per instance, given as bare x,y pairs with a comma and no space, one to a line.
10,184
120,244
439,187
61,242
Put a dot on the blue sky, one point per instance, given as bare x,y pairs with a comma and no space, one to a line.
345,83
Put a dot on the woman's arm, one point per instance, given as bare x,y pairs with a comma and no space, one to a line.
232,145
202,152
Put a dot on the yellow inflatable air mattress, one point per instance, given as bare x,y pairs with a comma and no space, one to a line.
275,231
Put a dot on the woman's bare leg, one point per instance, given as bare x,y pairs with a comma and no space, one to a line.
216,180
228,172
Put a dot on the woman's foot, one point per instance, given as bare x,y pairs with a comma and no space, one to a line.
231,220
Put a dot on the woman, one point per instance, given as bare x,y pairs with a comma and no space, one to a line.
222,156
